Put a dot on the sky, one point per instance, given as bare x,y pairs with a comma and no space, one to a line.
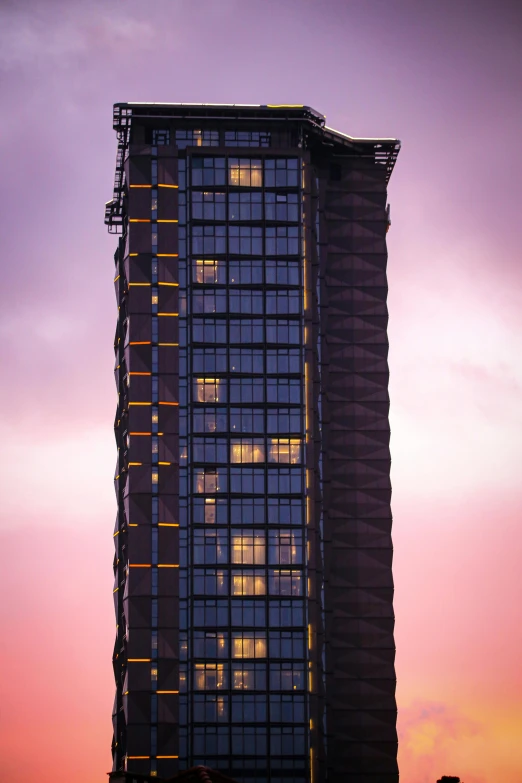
445,78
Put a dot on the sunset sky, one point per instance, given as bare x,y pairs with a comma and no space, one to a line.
445,77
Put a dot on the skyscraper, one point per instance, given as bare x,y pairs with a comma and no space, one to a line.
253,567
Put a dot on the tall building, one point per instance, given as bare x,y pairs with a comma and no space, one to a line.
253,567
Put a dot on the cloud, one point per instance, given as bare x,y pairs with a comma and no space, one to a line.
39,35
429,734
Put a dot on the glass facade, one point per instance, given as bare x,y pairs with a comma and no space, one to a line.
242,535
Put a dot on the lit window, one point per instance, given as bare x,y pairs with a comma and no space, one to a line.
209,676
205,271
245,172
154,415
206,482
247,450
154,673
208,390
285,450
249,644
154,476
248,676
154,299
248,548
248,583
209,481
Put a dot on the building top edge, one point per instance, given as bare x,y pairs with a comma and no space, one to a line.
273,111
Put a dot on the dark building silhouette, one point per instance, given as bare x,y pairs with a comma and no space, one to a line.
253,566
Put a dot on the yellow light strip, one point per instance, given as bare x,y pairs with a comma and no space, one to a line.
174,315
133,524
139,220
166,221
141,342
167,403
138,757
173,284
284,106
142,284
140,186
168,524
164,463
140,433
135,463
117,533
138,660
139,565
162,185
166,757
116,590
133,254
167,255
168,565
140,373
171,344
116,278
140,403
167,692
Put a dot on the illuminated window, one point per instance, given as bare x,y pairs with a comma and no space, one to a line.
248,583
247,450
154,672
209,390
209,676
248,676
155,476
208,481
249,644
248,548
154,299
285,450
245,172
154,415
205,271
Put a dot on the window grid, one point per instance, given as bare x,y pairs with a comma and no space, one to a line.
261,577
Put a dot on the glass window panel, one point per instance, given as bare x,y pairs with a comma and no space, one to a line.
209,676
286,450
247,450
210,390
248,676
210,420
248,583
209,481
249,644
245,172
284,547
210,644
208,271
248,547
285,582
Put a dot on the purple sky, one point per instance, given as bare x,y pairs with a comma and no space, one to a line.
444,77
